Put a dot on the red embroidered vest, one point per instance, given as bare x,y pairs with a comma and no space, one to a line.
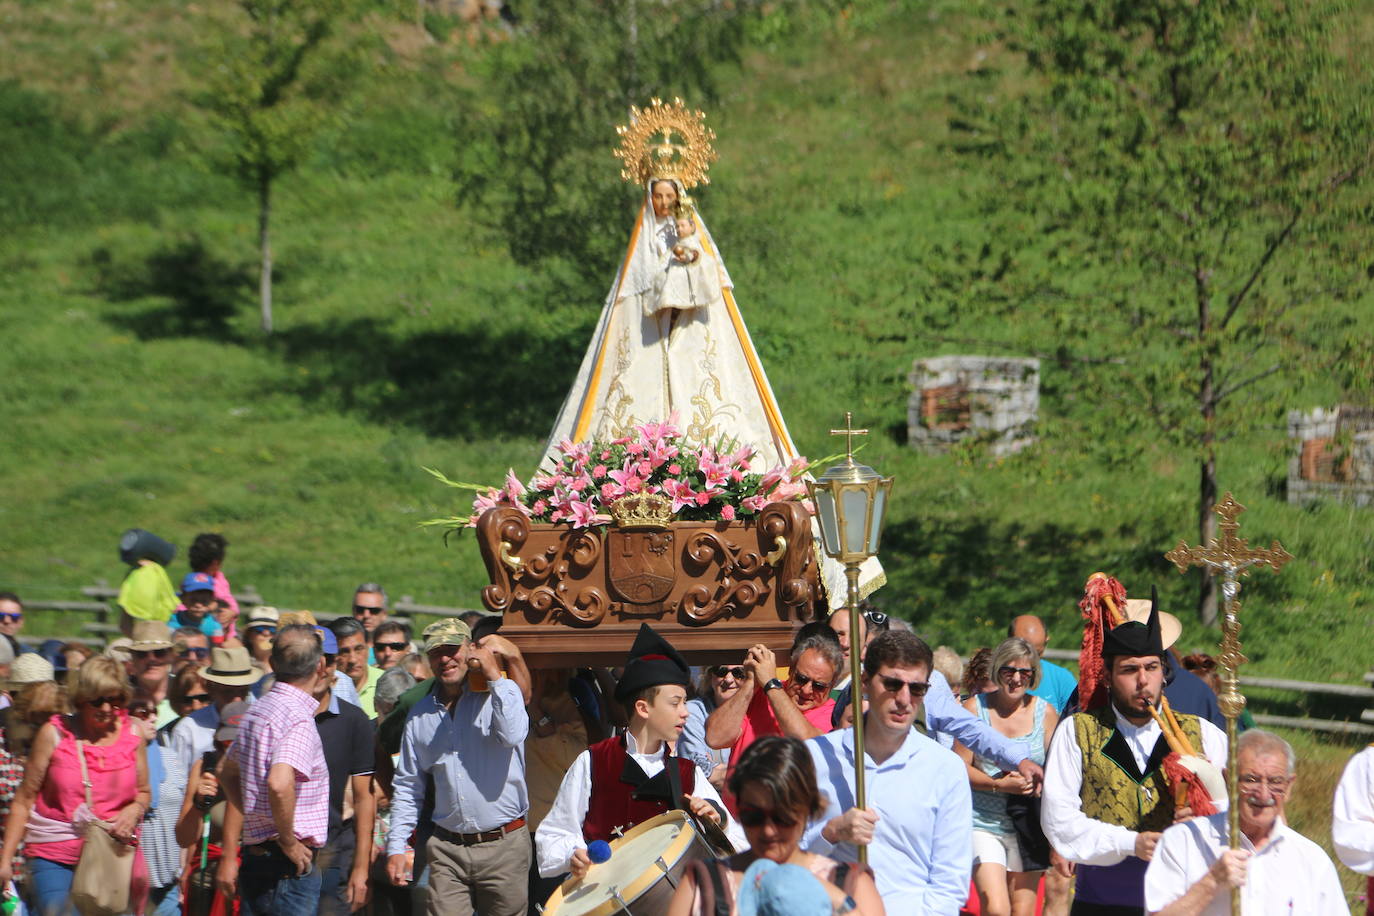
611,805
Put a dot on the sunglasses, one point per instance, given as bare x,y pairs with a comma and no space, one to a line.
155,653
112,702
750,816
263,631
359,609
1207,664
143,711
392,646
197,698
802,680
877,618
726,671
1009,671
196,651
895,685
7,617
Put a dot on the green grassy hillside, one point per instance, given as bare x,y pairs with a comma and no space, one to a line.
137,392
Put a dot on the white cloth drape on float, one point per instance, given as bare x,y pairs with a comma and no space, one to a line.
645,364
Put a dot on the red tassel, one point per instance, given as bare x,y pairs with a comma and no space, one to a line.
1198,798
1092,678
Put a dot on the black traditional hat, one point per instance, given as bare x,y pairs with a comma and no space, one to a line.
653,661
1134,639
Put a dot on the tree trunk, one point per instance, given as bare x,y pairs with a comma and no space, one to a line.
265,246
1207,490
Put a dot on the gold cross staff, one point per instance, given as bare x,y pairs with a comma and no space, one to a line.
849,432
1233,557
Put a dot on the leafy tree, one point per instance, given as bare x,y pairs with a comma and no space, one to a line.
535,144
270,76
1204,163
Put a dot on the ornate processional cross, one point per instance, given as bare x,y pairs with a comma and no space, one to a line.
849,432
1233,557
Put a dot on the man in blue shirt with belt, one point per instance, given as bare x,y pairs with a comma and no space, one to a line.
472,743
919,821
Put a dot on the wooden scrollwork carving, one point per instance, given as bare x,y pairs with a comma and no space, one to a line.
792,523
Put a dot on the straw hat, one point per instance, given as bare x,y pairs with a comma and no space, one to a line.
232,667
29,668
149,635
1170,629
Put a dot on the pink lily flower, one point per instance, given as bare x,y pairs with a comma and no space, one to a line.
681,494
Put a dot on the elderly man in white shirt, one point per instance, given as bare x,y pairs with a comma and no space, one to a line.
1352,815
1278,870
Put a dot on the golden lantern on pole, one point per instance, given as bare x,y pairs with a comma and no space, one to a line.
851,501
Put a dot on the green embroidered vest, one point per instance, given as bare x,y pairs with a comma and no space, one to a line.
1114,791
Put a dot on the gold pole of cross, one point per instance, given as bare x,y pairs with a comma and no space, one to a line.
1233,557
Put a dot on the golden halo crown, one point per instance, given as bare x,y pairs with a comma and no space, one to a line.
666,140
642,510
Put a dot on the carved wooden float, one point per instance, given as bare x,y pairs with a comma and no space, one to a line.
576,596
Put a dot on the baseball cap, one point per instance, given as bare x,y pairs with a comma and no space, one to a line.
770,889
197,582
229,719
328,641
447,632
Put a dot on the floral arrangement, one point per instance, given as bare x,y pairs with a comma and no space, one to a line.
704,482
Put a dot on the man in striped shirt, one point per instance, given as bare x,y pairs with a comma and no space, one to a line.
276,774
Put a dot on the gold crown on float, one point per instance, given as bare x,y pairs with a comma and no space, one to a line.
666,140
642,510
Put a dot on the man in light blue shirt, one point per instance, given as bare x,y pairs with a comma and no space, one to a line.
919,822
1057,684
472,744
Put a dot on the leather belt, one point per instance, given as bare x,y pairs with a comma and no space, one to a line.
473,839
271,848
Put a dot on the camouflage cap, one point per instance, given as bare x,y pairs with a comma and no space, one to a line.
447,632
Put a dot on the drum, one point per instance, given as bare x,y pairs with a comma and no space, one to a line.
639,878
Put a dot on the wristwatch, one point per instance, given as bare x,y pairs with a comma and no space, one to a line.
772,684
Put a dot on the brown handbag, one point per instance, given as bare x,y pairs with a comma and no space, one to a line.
100,885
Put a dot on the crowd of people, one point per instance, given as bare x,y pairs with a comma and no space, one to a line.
264,762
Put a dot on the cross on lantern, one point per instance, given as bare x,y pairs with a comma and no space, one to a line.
849,432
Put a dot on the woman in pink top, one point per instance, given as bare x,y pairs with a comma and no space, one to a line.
49,811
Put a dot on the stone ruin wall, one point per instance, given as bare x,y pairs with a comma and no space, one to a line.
1333,455
973,398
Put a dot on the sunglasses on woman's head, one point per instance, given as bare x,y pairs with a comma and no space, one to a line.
722,670
895,685
802,680
749,816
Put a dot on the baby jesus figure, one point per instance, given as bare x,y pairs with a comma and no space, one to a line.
690,278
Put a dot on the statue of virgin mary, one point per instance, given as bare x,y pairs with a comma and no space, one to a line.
646,363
